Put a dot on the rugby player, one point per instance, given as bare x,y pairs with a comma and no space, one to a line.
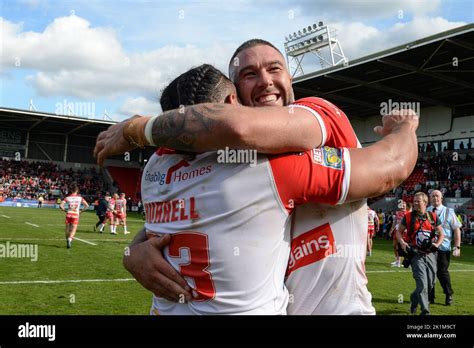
373,228
120,214
399,214
110,215
219,288
73,201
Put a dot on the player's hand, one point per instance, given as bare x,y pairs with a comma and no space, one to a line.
397,118
112,142
146,263
457,252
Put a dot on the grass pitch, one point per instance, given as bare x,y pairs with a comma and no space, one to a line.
89,278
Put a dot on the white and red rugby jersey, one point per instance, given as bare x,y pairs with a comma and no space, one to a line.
111,205
74,202
372,215
326,271
120,205
229,222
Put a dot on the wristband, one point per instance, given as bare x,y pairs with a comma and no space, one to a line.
149,130
134,131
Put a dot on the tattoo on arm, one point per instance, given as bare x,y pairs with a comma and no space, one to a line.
182,130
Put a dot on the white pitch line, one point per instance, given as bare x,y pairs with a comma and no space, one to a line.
62,239
29,223
401,271
85,241
6,216
460,264
66,281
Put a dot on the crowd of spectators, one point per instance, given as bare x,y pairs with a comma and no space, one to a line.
30,180
440,172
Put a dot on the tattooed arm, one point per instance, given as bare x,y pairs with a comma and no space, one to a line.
207,127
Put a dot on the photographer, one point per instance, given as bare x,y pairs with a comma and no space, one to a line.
421,249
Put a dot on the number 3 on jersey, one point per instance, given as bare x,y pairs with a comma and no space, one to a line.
198,250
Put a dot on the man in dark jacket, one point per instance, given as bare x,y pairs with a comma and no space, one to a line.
101,211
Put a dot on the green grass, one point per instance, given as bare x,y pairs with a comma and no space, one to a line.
55,262
388,284
104,261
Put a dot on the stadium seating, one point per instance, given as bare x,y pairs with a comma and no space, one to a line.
127,180
28,180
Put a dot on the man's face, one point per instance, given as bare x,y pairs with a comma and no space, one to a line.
403,206
436,198
419,204
262,78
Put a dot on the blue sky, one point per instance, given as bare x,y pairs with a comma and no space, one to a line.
116,55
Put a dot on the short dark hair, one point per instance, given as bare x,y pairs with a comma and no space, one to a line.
203,84
249,44
74,188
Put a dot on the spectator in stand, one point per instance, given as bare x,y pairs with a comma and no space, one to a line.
417,187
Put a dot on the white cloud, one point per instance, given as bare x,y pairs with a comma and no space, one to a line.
140,106
75,59
358,39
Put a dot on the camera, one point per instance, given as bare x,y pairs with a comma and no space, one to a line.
410,252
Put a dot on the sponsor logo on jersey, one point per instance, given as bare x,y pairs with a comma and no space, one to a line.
310,247
328,157
155,176
174,174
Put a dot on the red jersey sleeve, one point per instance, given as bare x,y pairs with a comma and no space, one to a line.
319,175
336,129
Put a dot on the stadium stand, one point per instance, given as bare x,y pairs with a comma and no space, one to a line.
42,153
127,180
29,180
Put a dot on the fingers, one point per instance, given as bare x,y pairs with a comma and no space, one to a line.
378,130
164,267
159,242
171,292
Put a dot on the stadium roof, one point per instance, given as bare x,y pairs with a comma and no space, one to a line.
419,71
51,123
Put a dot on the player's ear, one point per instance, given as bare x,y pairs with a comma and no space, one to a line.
231,99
